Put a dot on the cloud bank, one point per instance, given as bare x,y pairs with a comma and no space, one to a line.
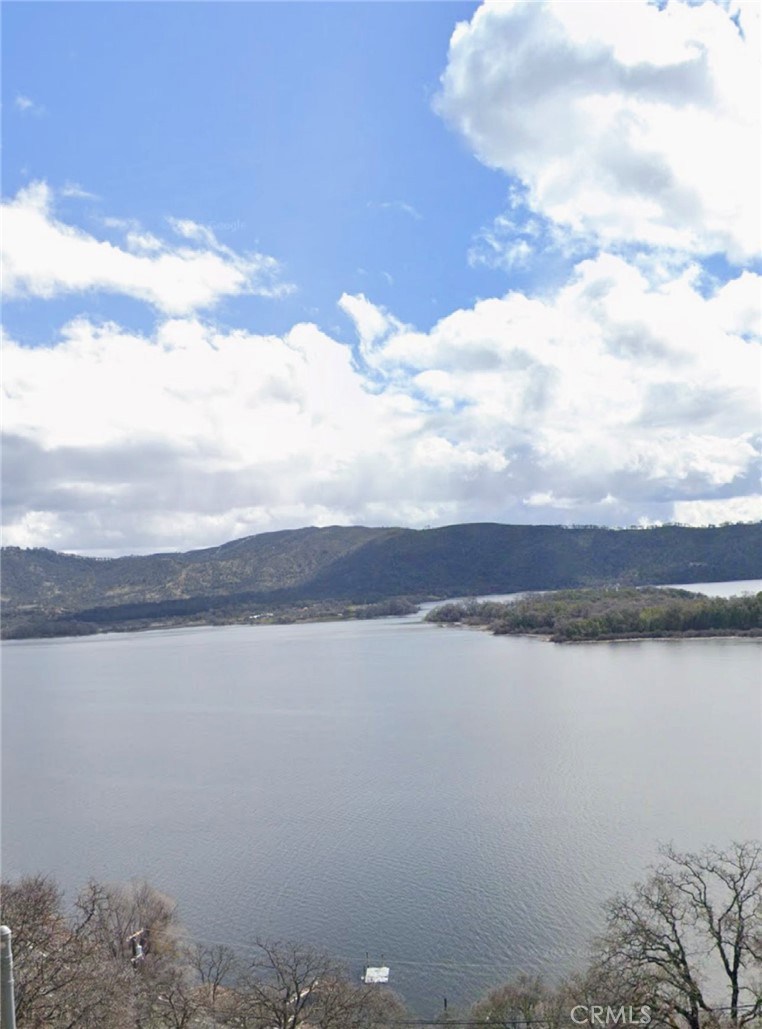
629,393
612,401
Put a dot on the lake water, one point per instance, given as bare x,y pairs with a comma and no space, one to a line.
458,803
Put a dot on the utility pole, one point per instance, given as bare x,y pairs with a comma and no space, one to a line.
7,1000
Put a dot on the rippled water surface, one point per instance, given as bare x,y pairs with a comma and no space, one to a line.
457,803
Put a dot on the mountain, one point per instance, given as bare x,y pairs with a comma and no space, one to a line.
49,593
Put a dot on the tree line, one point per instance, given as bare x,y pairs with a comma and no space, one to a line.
681,950
611,613
50,594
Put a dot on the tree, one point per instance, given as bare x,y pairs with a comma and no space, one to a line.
342,1004
167,995
688,941
289,985
526,998
63,978
114,912
282,979
214,965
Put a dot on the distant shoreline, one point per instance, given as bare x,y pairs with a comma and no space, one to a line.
751,634
345,572
332,619
607,614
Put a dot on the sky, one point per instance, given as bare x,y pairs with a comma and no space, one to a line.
268,265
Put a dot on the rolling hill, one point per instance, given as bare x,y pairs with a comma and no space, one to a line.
49,593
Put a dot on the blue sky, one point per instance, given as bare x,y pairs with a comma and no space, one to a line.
332,161
275,264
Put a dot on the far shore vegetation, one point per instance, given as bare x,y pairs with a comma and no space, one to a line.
186,615
341,572
615,613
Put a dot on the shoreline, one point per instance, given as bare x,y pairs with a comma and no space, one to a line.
611,614
751,634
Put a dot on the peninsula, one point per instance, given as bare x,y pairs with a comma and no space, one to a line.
616,613
354,571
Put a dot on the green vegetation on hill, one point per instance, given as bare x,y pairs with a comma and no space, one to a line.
324,572
606,614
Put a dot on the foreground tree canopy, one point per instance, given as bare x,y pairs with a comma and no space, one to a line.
613,613
681,950
121,959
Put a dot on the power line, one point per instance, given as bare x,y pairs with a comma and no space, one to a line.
469,1023
511,1022
495,1022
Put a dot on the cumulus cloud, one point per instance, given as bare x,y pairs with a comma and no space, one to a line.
627,123
44,257
714,512
613,400
372,322
612,388
116,441
630,393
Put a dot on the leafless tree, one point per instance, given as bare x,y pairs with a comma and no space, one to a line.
114,912
282,978
62,978
687,940
167,995
342,1004
288,985
216,967
526,998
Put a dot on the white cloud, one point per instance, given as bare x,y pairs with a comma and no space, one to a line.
120,442
630,394
398,205
43,257
614,386
198,233
141,242
738,306
77,192
717,512
371,321
626,123
26,105
614,400
497,247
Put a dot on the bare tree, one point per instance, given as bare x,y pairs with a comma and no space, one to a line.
282,978
32,908
526,998
113,913
167,995
342,1004
62,977
686,941
724,894
215,966
288,985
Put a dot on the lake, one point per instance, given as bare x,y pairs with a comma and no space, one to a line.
457,803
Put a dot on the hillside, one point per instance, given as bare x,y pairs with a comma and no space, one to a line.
48,593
